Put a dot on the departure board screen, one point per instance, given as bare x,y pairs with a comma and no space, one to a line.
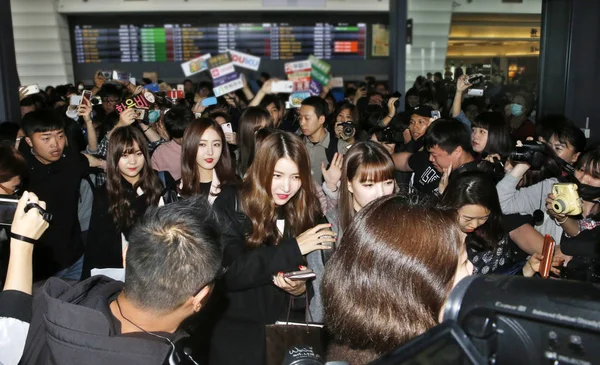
182,42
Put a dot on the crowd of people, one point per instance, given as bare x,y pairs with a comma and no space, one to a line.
168,236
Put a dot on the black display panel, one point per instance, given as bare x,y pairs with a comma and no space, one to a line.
156,42
181,42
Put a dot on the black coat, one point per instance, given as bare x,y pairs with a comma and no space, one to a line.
251,300
103,248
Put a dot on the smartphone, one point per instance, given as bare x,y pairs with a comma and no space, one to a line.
435,114
139,113
8,206
282,87
107,75
209,101
475,92
300,275
227,128
121,76
30,89
86,97
548,253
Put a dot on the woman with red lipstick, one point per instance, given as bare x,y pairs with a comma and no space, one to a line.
473,195
131,187
272,224
205,160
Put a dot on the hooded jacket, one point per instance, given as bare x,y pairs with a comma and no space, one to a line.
72,324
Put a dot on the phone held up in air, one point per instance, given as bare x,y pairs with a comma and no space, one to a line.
30,89
300,275
548,253
227,128
86,97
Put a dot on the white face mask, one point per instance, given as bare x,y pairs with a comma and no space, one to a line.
80,87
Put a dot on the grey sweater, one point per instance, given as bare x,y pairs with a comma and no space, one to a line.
316,262
527,200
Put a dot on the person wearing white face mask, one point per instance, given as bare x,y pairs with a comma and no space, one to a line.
520,125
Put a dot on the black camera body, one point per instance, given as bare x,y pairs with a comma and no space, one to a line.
506,320
348,129
533,152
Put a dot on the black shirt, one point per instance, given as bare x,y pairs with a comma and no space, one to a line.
426,178
58,185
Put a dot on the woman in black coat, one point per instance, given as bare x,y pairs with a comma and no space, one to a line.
262,221
131,187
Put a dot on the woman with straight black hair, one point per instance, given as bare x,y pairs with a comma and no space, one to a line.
272,223
490,135
474,197
251,120
205,160
131,187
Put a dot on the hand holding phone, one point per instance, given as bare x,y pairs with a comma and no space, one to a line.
227,128
548,253
300,275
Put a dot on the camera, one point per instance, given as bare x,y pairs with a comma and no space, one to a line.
532,152
566,199
348,129
96,100
501,319
387,136
475,79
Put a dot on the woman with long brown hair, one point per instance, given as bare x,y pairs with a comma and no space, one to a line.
205,160
387,283
272,223
251,120
131,187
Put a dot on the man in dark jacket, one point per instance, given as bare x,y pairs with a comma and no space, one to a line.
55,173
173,257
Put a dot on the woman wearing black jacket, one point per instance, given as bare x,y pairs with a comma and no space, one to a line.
131,187
264,218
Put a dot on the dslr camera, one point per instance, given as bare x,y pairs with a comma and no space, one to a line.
96,100
566,199
534,153
348,129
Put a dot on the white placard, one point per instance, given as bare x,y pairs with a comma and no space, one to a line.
221,71
229,87
244,60
195,66
336,82
297,66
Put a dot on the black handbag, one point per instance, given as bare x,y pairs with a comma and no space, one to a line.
282,337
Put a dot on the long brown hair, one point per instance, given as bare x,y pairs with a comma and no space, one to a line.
373,163
301,212
119,205
392,273
190,171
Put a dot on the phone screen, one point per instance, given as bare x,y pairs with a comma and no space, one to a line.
7,210
86,97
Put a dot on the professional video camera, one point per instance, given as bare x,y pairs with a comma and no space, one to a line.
510,320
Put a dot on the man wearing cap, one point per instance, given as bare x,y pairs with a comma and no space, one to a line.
445,143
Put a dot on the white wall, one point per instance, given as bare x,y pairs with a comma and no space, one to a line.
431,28
42,47
498,7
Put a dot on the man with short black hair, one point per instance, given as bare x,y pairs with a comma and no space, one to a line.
322,145
55,173
167,156
447,145
173,258
188,86
568,141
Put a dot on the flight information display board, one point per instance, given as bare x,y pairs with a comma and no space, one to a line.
182,42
